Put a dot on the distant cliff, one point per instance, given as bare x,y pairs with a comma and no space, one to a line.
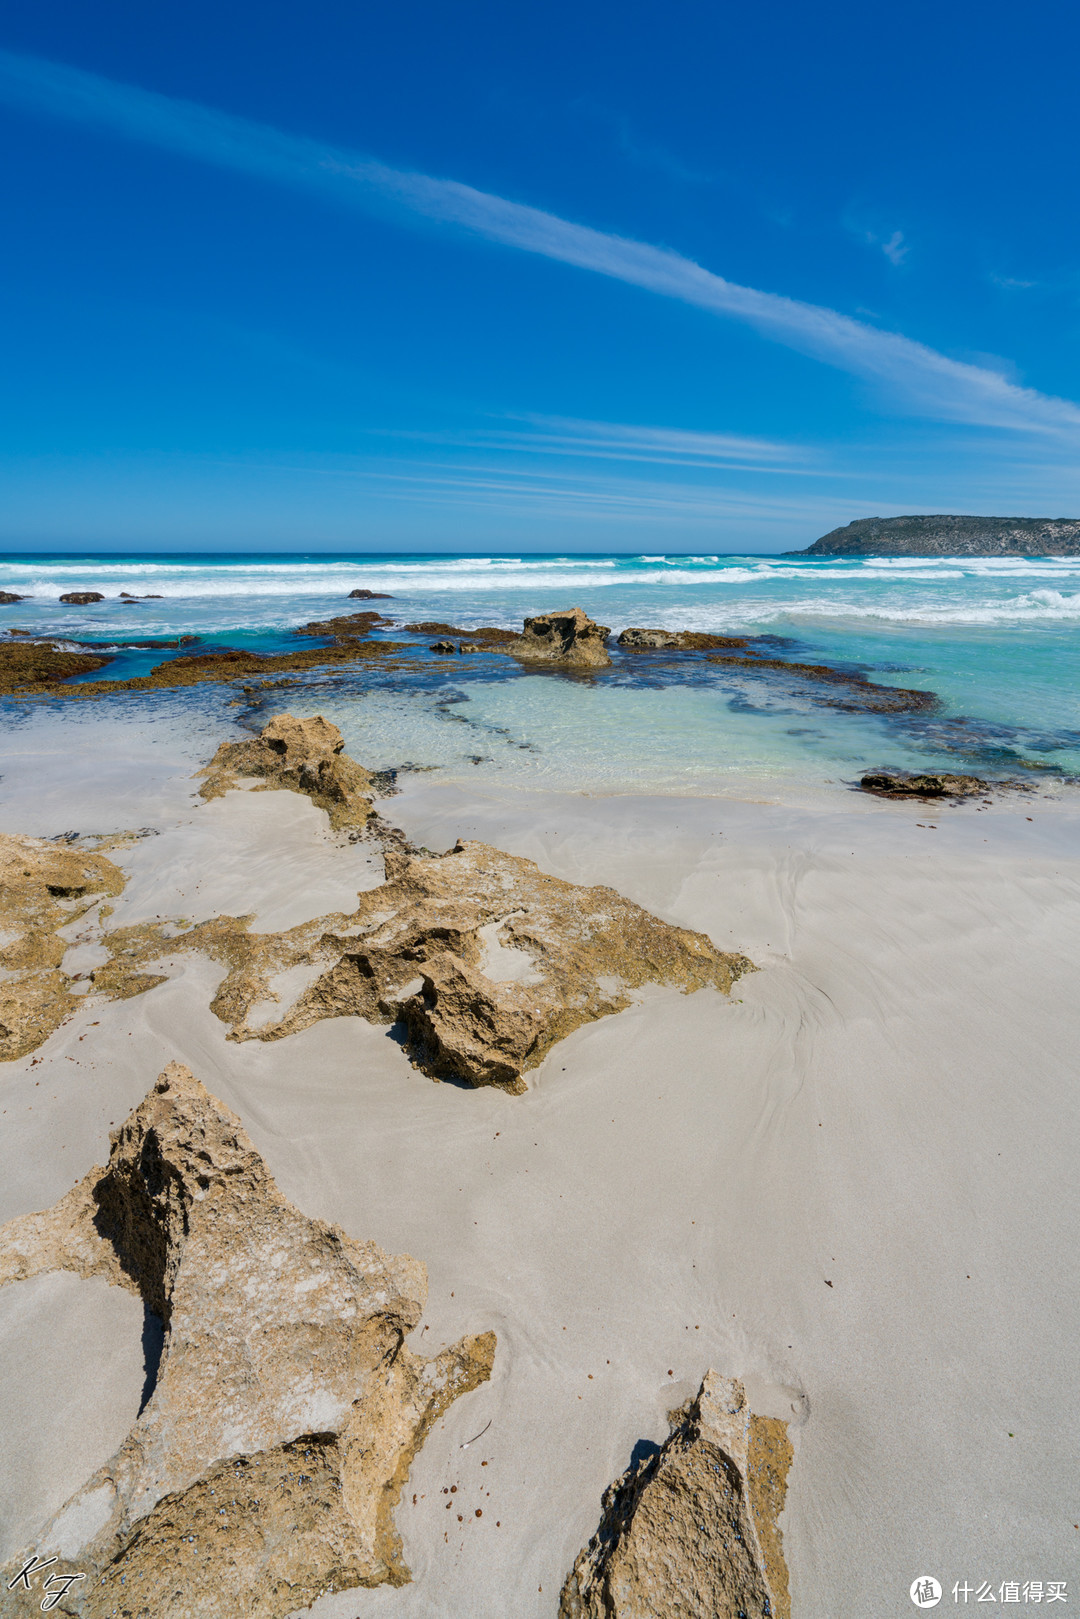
950,537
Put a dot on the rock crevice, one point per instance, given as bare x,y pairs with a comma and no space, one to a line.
265,1469
691,1531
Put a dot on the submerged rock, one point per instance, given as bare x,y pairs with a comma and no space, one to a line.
852,691
691,1531
266,1467
347,627
638,640
82,598
487,635
902,784
43,888
567,637
304,756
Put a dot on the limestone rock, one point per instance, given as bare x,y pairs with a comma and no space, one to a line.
900,784
691,1531
81,598
265,1469
569,637
43,887
304,756
484,960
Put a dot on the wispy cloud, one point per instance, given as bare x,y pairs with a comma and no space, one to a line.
619,441
1009,283
914,377
895,249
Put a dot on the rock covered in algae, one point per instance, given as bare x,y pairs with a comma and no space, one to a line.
44,887
570,636
265,1469
26,666
690,1532
934,784
643,640
485,961
304,756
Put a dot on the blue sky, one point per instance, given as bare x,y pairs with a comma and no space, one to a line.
684,277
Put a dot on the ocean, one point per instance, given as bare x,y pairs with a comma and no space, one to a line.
996,640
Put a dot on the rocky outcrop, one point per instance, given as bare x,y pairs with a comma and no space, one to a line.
82,598
948,536
126,596
265,1469
304,756
903,784
39,667
346,627
482,959
638,640
369,596
28,666
691,1531
569,637
43,888
10,596
488,635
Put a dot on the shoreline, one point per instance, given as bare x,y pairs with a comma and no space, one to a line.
885,1105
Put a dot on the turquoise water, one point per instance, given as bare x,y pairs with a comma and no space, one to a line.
998,641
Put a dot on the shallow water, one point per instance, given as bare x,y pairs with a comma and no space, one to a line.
998,640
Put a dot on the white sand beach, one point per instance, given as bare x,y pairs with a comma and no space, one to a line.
853,1185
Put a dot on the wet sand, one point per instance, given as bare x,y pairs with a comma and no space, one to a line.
887,1106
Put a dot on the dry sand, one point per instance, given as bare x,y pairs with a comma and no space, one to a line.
887,1106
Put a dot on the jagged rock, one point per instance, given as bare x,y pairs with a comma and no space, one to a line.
369,596
691,1531
304,756
638,640
567,637
43,888
901,784
265,1469
10,596
81,598
484,960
